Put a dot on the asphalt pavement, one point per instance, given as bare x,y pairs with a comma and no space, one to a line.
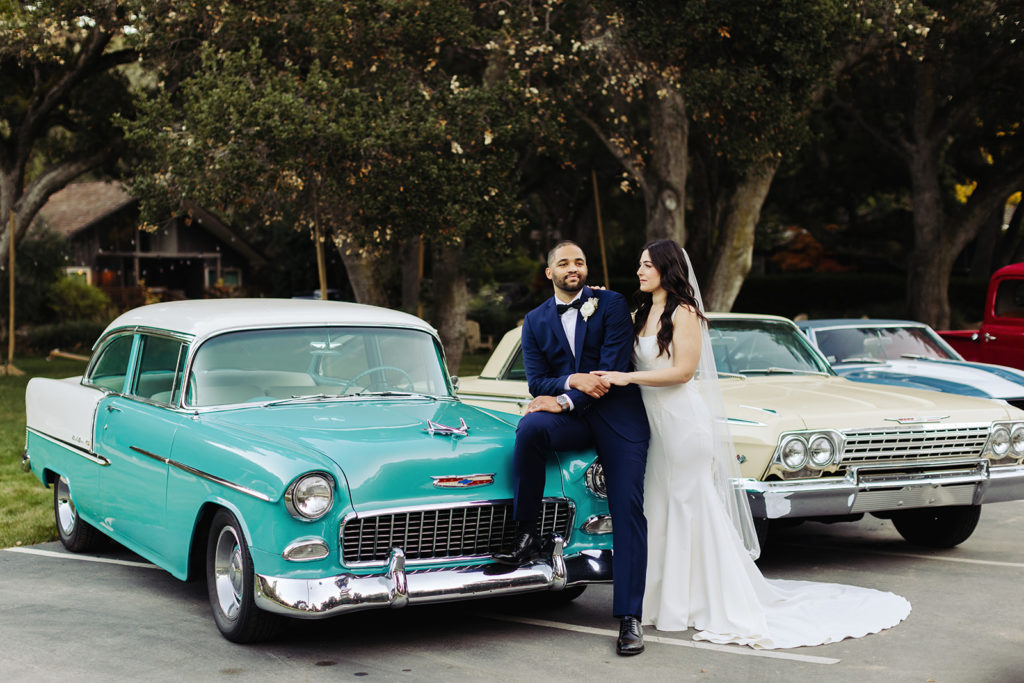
110,616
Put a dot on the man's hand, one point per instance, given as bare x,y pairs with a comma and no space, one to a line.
546,404
591,385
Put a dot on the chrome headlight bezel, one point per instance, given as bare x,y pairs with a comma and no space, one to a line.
1017,439
815,449
821,451
310,496
999,440
594,480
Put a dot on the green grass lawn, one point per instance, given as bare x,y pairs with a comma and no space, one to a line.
26,506
26,515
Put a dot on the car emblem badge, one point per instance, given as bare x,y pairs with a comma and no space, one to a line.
463,481
445,430
923,419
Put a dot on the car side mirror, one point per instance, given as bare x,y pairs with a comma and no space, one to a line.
455,382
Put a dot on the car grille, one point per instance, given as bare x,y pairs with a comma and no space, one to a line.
477,530
913,445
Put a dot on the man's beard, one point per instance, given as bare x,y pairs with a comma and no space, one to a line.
565,287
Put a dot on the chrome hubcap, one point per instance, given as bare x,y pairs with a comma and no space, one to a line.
227,572
67,516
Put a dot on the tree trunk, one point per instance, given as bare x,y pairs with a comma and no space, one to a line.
664,181
985,245
734,246
451,302
364,274
411,274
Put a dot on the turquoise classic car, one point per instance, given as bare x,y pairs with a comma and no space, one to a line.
310,457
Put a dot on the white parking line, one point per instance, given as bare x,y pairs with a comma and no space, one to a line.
729,649
940,558
81,558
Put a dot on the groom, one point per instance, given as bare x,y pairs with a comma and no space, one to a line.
566,337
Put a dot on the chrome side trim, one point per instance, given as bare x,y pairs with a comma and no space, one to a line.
493,399
78,450
318,598
202,475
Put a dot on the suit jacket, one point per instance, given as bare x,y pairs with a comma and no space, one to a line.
603,342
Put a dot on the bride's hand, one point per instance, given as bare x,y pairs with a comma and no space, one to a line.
619,379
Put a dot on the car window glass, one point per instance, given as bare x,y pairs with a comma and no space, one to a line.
271,364
752,345
878,343
111,364
516,369
1010,299
160,368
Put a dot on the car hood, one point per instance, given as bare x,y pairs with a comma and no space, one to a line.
969,379
791,402
385,450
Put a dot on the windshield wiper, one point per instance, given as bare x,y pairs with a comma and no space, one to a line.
731,375
404,394
780,371
307,397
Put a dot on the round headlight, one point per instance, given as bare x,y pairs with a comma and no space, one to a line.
310,496
1000,440
594,478
821,451
1017,440
793,453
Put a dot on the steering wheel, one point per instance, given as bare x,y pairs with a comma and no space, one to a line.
382,369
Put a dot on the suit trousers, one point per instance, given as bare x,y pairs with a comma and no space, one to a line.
624,462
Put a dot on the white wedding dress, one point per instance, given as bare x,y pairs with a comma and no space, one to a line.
699,574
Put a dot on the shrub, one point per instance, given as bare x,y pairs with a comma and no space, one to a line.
72,335
75,300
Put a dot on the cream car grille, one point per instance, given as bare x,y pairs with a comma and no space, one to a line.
473,531
905,446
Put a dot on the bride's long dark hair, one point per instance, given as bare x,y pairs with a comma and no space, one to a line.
668,260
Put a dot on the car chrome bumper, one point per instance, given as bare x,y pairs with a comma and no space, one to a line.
876,489
329,596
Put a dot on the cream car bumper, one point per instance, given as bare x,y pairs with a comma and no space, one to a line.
878,489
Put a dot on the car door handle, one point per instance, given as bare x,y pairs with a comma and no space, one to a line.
113,409
988,337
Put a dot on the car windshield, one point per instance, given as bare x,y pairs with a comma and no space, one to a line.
749,347
867,344
315,363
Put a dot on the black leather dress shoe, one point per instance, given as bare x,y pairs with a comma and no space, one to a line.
523,550
631,637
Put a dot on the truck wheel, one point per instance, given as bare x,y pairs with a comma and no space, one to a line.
939,527
230,585
75,534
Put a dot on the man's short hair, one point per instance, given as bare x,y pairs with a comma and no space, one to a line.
563,243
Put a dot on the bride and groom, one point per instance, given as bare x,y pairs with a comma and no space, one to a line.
667,463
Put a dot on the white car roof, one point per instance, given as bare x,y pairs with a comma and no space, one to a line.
205,317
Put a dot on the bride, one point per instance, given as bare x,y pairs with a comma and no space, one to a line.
702,574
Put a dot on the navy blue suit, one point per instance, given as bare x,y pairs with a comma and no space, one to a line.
615,424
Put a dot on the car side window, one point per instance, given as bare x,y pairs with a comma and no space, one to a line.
161,362
516,369
111,366
1010,299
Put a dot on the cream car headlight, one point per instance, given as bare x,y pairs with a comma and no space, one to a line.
310,496
793,453
999,441
821,451
1017,440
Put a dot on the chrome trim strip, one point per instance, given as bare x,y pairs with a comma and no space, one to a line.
78,450
202,475
318,598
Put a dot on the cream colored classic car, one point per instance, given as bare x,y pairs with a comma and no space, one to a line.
813,445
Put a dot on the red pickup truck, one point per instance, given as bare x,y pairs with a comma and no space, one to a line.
1001,337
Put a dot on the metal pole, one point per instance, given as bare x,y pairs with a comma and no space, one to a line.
10,369
600,230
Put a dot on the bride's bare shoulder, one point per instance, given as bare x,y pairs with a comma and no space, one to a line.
685,309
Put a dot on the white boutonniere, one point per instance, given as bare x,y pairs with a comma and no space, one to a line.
588,307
